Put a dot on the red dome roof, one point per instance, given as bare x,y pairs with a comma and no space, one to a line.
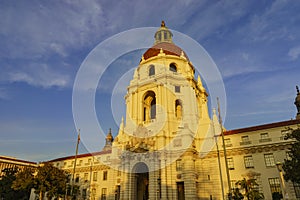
168,49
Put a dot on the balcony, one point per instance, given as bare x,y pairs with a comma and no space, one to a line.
245,143
265,140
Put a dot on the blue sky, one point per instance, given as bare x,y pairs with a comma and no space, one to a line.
255,44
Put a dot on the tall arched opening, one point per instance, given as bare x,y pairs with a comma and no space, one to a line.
141,181
149,104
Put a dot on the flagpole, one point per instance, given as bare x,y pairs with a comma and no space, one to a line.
225,153
219,160
76,153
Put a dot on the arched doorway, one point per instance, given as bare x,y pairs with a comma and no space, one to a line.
149,104
141,181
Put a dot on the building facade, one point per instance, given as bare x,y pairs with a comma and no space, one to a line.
168,147
10,162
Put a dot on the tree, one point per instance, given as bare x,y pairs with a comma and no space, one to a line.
50,180
291,166
24,181
250,188
6,182
237,195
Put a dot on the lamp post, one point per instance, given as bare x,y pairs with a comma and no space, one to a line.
280,170
159,187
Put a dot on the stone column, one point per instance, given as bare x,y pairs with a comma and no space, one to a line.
189,177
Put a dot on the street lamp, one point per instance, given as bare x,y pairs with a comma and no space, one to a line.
280,170
159,188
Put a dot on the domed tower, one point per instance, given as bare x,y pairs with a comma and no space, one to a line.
297,103
166,122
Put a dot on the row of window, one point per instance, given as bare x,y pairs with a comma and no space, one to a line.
95,176
151,70
248,161
264,137
81,163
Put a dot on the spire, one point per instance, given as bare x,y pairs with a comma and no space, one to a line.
163,34
108,141
297,103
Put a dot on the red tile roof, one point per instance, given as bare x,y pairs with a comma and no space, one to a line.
81,156
168,48
263,126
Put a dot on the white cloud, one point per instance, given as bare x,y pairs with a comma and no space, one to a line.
40,29
39,75
294,53
273,22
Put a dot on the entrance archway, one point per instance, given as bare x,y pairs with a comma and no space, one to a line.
141,181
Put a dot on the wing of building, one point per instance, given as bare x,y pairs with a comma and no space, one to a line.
10,162
166,146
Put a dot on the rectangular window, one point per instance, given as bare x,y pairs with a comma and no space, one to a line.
274,185
269,160
178,165
297,189
95,174
119,172
233,185
177,89
105,175
103,194
227,142
245,140
284,133
85,177
230,163
248,160
89,162
80,163
264,137
77,178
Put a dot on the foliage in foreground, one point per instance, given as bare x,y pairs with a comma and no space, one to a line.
17,184
291,166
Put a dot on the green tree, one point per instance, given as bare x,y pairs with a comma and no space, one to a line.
50,180
291,166
24,181
6,182
250,188
237,195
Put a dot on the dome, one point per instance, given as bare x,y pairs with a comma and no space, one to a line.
168,49
163,40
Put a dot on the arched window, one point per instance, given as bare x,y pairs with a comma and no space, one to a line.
178,109
151,70
149,105
173,67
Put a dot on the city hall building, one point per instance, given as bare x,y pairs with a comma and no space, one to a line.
168,147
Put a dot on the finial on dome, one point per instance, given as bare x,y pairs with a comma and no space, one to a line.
163,24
